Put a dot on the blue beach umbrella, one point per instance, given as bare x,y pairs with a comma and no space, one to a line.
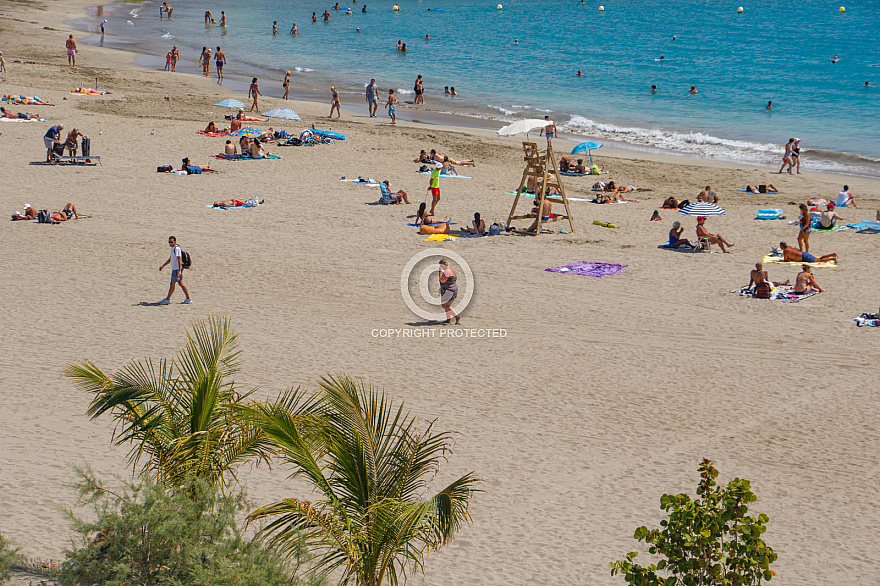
283,114
230,103
701,208
586,147
247,131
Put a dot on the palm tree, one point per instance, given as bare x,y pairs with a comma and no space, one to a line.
182,417
370,465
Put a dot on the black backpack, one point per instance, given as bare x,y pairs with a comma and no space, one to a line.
43,217
185,260
424,169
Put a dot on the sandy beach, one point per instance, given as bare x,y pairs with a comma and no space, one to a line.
603,395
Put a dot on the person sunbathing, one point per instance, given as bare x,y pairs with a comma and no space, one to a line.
670,204
759,275
478,225
27,100
438,157
768,188
791,254
256,150
18,116
817,201
828,218
424,158
675,239
579,168
712,238
232,203
423,217
245,143
267,136
806,282
565,165
65,214
400,195
211,128
187,166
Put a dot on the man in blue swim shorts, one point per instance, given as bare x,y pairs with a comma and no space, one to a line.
390,104
791,254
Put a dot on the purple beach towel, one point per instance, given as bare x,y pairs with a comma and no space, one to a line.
589,269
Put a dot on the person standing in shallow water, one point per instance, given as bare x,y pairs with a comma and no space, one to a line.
220,58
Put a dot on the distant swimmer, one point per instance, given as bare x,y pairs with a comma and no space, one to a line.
314,18
662,57
294,30
693,90
674,38
399,45
326,15
403,48
336,7
275,28
209,18
769,105
357,30
452,91
446,89
516,41
427,37
868,84
653,89
348,11
835,60
222,18
579,73
365,8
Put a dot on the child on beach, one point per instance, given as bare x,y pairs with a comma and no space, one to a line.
390,104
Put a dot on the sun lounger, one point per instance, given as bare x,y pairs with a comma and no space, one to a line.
53,146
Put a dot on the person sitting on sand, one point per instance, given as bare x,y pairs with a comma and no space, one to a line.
236,124
478,225
670,203
768,188
18,116
423,217
791,254
708,196
845,198
759,275
256,150
424,158
65,214
712,238
245,144
448,167
610,186
400,194
565,165
580,168
71,143
828,218
230,150
546,214
806,282
675,239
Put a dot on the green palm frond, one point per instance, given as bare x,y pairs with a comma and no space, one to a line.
368,461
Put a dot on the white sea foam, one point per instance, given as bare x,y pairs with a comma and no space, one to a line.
167,36
302,69
129,22
504,111
403,92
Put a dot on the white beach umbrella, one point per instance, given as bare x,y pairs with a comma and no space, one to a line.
521,126
283,114
701,208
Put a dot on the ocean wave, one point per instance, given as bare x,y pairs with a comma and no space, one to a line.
403,92
504,111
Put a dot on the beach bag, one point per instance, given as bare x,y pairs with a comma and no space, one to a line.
684,203
424,169
598,186
43,217
191,170
185,260
86,146
164,169
594,170
762,290
494,230
252,202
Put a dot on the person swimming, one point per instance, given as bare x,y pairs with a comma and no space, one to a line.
653,89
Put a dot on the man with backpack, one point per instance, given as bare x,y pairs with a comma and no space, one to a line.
179,260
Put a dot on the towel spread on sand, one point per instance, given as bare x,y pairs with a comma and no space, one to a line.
439,237
359,181
435,224
22,120
778,260
240,158
589,269
784,292
447,176
221,133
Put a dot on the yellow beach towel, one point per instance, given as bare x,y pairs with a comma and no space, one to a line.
778,260
439,237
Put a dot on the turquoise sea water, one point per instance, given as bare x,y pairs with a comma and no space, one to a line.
772,51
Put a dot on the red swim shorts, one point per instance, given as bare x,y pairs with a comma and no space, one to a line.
435,191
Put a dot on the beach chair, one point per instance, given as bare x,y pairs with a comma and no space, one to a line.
387,197
702,245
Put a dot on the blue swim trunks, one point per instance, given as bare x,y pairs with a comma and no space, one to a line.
391,109
807,257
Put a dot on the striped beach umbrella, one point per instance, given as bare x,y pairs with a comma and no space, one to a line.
248,131
283,114
230,103
701,208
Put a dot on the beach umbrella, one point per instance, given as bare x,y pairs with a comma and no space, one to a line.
230,103
248,131
521,126
586,147
701,208
283,114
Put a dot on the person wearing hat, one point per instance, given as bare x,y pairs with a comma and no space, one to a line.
712,238
434,185
829,216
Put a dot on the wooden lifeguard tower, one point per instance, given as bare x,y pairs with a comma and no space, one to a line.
543,169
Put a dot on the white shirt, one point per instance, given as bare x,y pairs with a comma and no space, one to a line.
175,258
842,198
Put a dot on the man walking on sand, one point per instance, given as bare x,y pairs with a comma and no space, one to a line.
390,104
220,59
176,260
550,129
373,98
434,186
71,51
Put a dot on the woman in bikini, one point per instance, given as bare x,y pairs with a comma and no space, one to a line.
805,228
448,290
286,86
423,217
478,226
230,150
786,158
254,91
65,214
334,103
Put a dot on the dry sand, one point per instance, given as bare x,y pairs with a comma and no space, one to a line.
604,394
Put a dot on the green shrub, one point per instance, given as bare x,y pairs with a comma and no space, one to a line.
708,541
149,534
9,557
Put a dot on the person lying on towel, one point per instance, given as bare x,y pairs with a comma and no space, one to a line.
232,203
791,254
20,115
768,188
